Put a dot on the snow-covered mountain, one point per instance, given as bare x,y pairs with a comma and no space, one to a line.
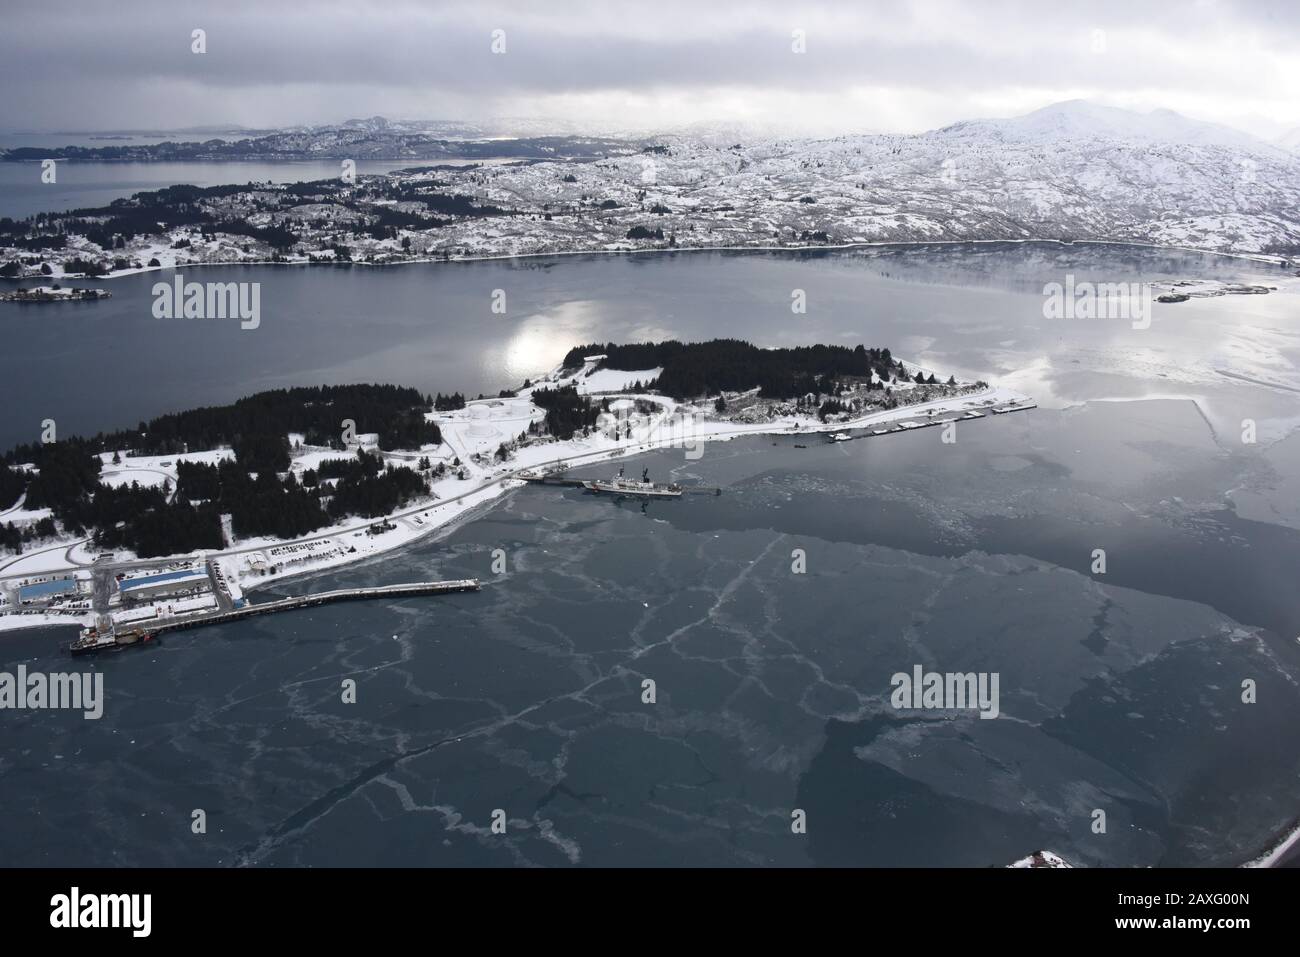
1081,120
1070,171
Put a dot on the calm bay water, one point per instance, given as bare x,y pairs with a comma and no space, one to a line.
974,310
86,185
1119,691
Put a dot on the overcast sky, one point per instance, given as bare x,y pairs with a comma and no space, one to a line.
654,64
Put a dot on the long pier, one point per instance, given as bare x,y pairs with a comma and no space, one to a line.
549,480
147,631
319,598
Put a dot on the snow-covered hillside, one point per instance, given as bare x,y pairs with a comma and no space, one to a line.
1082,120
1071,171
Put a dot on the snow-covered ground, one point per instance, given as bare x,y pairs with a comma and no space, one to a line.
466,435
25,516
152,470
1069,172
473,435
1274,855
615,380
44,559
1041,859
16,622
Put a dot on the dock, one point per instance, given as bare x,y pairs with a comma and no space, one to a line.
535,478
320,598
562,479
912,425
92,641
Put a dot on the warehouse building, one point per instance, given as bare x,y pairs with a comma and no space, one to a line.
40,592
148,587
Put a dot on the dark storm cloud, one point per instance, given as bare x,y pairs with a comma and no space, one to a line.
99,65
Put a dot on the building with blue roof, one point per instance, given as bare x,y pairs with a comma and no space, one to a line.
145,587
44,591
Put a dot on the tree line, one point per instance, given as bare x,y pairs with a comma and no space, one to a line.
257,426
143,519
567,411
66,478
697,369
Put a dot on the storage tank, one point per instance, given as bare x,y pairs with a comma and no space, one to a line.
480,421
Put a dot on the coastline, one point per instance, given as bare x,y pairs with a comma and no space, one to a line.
1258,258
435,515
1277,851
481,499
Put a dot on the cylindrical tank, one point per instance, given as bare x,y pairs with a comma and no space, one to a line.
480,420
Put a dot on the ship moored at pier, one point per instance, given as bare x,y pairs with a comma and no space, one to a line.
94,639
619,485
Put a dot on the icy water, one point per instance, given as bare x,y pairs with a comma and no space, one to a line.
1120,692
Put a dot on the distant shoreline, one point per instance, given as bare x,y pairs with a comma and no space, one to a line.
1259,258
1282,847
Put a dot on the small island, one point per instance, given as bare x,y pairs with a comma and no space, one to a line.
1186,289
54,294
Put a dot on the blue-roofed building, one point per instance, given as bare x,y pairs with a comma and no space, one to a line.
145,587
44,591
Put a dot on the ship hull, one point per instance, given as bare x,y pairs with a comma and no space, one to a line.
604,488
118,643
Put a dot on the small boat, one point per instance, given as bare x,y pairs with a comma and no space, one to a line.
840,436
619,485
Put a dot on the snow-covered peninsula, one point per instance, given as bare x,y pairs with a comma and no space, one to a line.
487,447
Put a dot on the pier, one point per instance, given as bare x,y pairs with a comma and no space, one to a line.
536,479
319,598
92,641
561,479
930,421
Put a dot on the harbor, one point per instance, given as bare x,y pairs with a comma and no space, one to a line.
111,637
930,421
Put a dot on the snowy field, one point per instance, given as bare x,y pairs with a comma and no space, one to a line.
615,380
